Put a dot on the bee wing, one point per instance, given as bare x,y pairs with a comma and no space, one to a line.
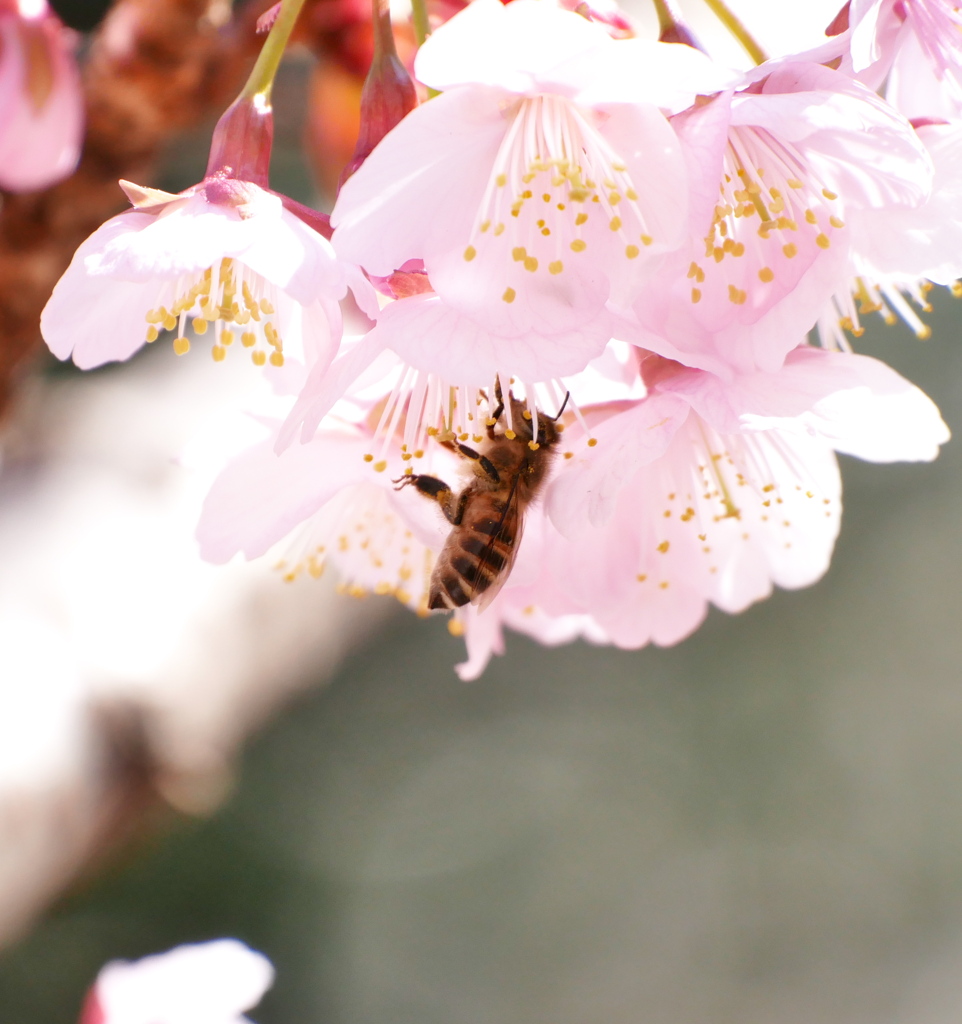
485,598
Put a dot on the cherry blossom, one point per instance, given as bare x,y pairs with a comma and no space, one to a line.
208,983
41,105
898,254
539,180
445,368
703,492
333,500
224,258
917,45
782,163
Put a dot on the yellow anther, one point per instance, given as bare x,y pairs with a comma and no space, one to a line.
766,274
696,295
509,295
368,458
615,223
581,219
631,194
218,352
614,198
736,295
530,264
810,217
419,453
795,183
592,441
227,338
470,253
455,627
828,194
641,577
518,253
738,249
924,332
510,435
155,316
199,325
499,229
579,245
533,445
836,222
790,250
632,251
555,267
484,226
181,346
259,357
152,334
546,197
170,322
248,339
501,180
823,241
664,546
266,307
569,455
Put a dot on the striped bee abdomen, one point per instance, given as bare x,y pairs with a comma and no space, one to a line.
474,557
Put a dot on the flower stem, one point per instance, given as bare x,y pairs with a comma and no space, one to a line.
419,15
721,11
262,75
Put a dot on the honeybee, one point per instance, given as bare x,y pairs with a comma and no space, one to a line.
487,516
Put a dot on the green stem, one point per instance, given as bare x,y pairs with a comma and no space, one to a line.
268,60
721,11
419,15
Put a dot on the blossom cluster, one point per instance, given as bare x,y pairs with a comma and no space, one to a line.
613,287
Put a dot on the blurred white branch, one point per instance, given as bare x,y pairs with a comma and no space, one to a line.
129,669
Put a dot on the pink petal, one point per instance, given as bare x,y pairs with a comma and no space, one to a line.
587,486
417,193
513,47
38,145
430,335
261,496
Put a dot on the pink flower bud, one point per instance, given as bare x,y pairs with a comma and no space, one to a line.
388,94
241,145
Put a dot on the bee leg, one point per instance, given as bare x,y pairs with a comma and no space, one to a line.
437,490
469,453
499,409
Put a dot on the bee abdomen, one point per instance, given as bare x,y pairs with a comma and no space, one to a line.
476,560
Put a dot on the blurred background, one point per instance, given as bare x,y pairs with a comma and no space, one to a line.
762,825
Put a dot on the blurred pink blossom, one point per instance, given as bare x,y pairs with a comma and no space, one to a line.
41,102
